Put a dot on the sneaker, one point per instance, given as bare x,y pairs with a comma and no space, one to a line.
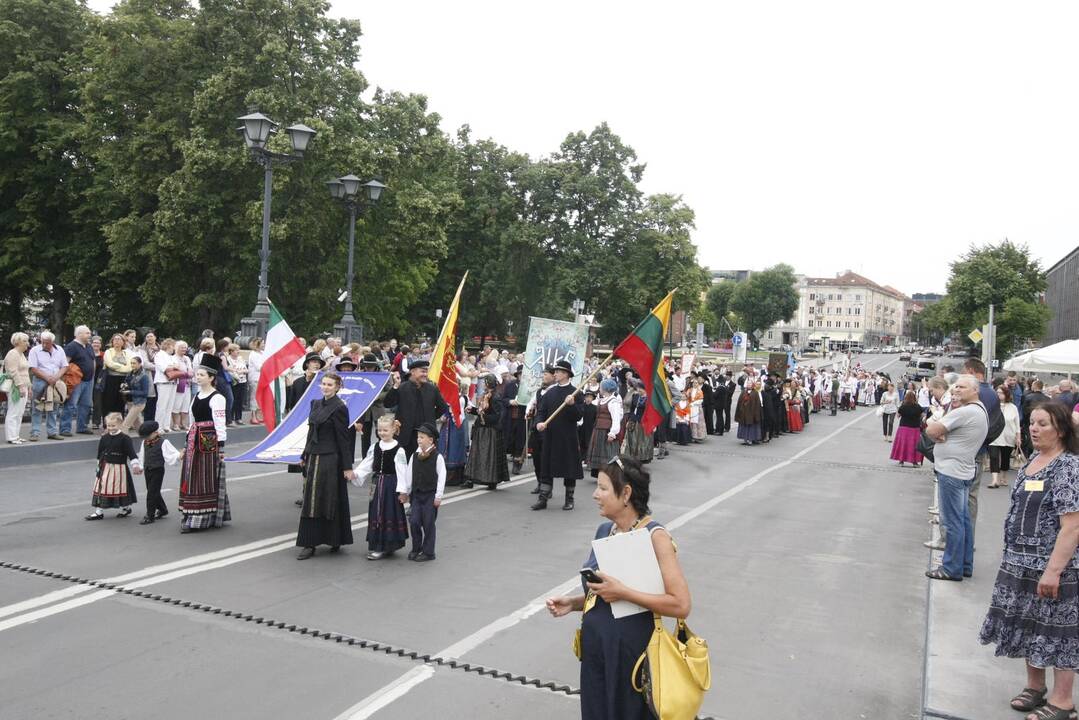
66,433
55,437
34,438
934,544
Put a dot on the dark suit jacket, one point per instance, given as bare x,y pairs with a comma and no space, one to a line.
415,406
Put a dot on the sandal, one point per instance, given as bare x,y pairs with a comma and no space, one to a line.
939,574
1052,712
1029,699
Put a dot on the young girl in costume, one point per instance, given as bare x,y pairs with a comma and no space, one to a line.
115,459
385,462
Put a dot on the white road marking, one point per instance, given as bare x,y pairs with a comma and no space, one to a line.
394,690
185,567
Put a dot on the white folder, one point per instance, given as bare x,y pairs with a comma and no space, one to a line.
630,558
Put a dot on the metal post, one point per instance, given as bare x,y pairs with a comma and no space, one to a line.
259,321
351,250
990,342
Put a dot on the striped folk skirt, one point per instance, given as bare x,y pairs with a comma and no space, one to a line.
113,487
637,445
601,450
204,500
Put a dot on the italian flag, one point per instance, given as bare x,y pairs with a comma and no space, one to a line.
281,351
643,350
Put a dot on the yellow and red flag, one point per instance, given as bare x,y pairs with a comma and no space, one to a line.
443,372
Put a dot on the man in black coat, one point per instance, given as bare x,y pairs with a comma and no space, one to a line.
418,401
513,420
728,409
709,405
561,449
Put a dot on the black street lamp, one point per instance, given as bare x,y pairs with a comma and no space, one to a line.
347,190
256,131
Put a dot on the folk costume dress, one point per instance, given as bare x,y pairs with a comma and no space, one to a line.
487,464
387,526
794,412
453,444
325,518
608,422
637,445
513,422
748,416
113,486
204,499
697,427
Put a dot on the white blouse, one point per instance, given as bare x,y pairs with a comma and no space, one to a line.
615,409
366,468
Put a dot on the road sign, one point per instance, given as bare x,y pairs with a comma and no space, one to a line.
975,335
737,339
757,334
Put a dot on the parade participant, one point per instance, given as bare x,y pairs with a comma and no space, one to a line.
204,499
695,398
835,387
748,415
453,441
708,407
610,647
312,364
606,435
638,444
794,408
1034,610
682,411
422,485
535,438
770,414
905,447
1000,450
417,401
384,464
719,402
155,453
514,430
116,460
325,518
561,450
487,464
728,412
889,404
587,424
370,363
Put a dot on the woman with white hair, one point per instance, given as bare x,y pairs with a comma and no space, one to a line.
182,402
15,381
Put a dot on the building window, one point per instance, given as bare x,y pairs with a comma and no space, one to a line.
850,311
848,324
829,323
810,323
769,334
812,296
829,296
856,325
857,297
857,311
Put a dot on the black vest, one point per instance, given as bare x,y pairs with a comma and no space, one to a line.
425,472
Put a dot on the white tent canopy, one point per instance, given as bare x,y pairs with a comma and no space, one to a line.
1063,357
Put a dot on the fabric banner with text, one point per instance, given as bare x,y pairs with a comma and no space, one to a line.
548,342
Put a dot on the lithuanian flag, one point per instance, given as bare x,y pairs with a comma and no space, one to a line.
643,350
443,372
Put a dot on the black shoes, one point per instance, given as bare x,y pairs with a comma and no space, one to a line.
420,557
541,502
146,521
568,505
307,552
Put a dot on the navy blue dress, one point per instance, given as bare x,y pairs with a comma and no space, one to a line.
610,648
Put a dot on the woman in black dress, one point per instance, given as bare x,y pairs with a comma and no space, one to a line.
327,467
611,646
486,462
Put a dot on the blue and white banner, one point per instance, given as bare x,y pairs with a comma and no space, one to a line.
285,444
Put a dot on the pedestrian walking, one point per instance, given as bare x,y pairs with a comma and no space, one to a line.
155,453
889,407
1034,610
610,647
327,459
384,463
422,485
116,461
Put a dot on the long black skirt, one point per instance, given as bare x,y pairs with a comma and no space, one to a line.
487,463
325,518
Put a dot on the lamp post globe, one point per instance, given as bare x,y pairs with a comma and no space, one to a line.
347,190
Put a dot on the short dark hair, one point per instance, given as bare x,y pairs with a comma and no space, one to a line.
624,470
974,366
1060,415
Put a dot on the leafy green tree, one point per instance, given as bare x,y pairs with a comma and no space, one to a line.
766,298
718,304
42,172
997,274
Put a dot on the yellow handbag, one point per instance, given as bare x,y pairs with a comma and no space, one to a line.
673,672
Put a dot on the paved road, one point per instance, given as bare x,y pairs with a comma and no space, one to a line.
803,557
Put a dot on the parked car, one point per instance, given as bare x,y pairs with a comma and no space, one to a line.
922,367
905,355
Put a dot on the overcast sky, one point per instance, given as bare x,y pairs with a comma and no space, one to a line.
883,138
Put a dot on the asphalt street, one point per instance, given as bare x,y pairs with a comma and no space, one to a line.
803,556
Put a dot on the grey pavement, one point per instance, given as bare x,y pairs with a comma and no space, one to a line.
803,556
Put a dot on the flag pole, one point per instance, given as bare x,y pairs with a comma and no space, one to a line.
584,382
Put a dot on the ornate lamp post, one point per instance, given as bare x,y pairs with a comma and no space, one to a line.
256,131
347,190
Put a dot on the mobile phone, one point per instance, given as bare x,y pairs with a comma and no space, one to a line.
590,575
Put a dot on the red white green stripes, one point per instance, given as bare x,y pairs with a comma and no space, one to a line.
281,350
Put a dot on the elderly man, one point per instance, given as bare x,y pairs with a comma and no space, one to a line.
48,363
418,401
80,402
959,435
1066,394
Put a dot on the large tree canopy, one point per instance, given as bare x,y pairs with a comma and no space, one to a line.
128,198
766,298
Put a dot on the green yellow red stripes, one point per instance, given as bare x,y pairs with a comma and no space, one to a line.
643,350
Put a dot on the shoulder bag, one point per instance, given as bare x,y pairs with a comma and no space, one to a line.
673,672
